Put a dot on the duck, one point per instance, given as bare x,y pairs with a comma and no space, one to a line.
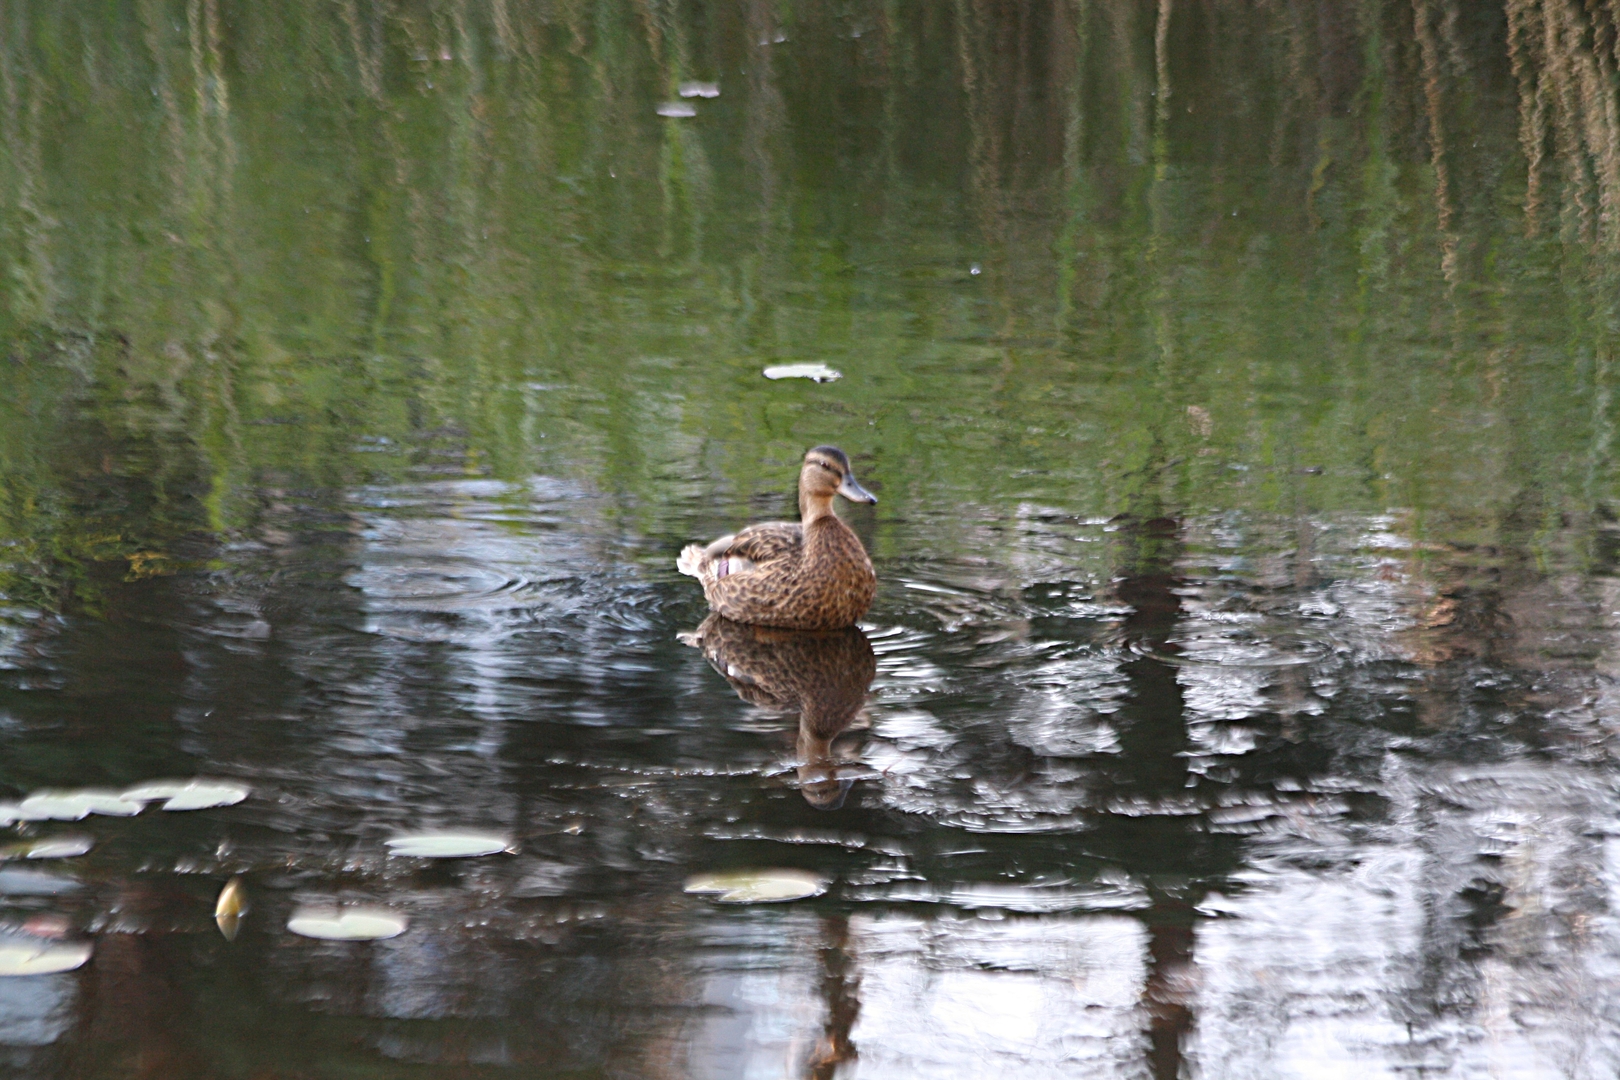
810,574
823,676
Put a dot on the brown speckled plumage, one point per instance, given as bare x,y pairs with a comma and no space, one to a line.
807,575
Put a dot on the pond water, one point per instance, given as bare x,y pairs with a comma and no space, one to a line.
1239,698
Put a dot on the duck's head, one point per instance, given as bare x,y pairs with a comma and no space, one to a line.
827,473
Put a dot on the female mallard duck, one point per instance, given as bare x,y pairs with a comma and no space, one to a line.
812,574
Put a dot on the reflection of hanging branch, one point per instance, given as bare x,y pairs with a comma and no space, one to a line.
1596,112
766,119
1566,81
1558,61
21,138
1532,109
1161,68
368,56
1074,126
1444,211
983,135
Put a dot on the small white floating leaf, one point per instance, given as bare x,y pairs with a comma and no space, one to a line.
676,110
813,372
10,813
51,847
757,886
76,805
448,845
20,955
347,924
198,794
700,89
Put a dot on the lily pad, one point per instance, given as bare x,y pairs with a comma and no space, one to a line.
757,886
676,110
50,847
198,794
813,372
23,955
347,924
75,805
700,89
448,845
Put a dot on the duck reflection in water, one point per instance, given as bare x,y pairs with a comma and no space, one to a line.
822,675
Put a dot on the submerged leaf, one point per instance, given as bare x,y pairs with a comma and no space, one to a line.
757,886
347,924
448,845
23,955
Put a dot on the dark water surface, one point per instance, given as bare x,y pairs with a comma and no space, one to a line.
1237,381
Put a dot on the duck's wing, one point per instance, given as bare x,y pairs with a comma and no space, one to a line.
742,550
763,542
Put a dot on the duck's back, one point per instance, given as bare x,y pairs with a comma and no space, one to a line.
814,577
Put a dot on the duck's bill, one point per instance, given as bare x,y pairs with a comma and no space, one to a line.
852,491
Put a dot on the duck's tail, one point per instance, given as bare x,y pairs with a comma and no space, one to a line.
691,559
